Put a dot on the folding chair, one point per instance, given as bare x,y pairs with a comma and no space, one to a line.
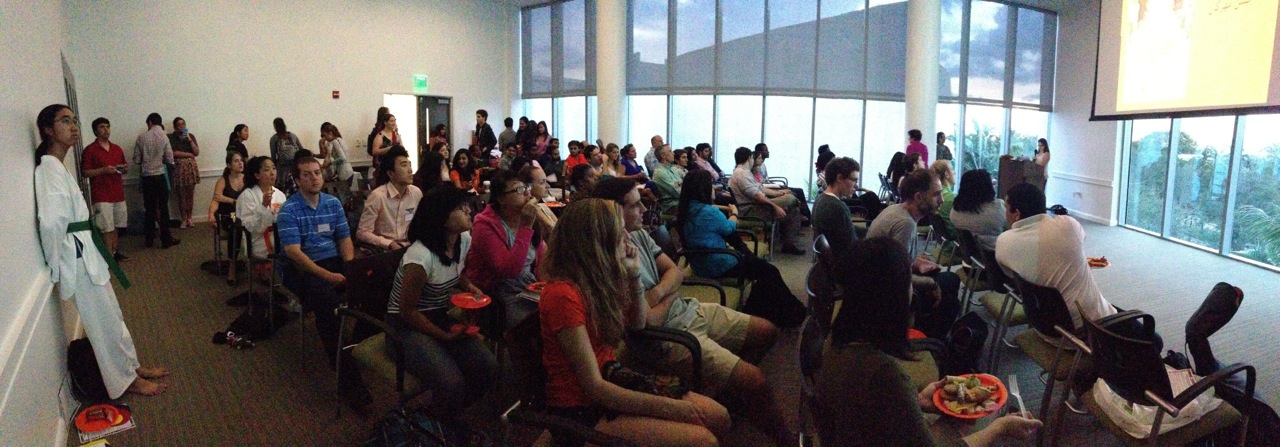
369,283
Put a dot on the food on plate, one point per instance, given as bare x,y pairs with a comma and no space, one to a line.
967,395
1099,262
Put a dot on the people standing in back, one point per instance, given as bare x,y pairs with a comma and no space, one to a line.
914,146
1042,153
103,162
378,122
153,154
508,135
382,142
284,147
235,141
389,208
541,139
484,132
80,266
944,152
187,174
335,162
651,157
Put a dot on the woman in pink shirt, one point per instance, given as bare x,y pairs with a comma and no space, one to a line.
505,247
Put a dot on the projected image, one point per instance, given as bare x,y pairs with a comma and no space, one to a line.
1194,53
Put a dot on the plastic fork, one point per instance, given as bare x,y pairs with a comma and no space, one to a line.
1013,389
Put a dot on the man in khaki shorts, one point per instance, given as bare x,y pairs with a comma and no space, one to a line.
732,342
104,164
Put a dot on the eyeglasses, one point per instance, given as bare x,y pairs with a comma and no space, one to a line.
518,190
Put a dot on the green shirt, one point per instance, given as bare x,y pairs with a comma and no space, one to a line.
668,180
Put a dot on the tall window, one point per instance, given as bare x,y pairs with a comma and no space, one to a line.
1148,174
557,50
1257,204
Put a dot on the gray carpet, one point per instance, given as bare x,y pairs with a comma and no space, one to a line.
281,393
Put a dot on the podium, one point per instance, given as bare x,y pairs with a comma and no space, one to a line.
1019,170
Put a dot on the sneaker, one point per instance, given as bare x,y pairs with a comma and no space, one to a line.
120,257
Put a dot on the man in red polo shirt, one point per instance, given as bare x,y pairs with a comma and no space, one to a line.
104,163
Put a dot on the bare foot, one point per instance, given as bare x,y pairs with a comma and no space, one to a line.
153,372
146,387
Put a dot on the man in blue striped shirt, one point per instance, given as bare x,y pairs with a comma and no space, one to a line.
317,240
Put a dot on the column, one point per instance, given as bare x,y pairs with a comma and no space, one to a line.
611,69
924,30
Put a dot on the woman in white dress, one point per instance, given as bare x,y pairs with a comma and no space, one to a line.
79,267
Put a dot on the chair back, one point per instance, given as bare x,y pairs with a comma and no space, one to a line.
822,251
662,236
969,247
822,297
524,350
1044,306
1126,353
370,280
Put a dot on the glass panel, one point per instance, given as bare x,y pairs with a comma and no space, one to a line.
691,120
1148,169
648,117
789,131
540,52
886,134
593,124
574,35
837,123
1257,213
571,119
647,60
842,46
949,48
948,122
742,34
538,109
1199,184
982,132
695,42
987,44
887,48
1026,127
738,120
793,28
1030,44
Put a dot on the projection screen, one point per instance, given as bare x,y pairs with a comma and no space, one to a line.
1171,58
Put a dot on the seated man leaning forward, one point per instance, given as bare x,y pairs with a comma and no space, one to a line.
313,230
1048,250
723,333
936,302
779,204
831,216
389,208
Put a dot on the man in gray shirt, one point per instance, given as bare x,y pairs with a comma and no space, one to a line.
936,292
153,154
724,334
651,158
507,135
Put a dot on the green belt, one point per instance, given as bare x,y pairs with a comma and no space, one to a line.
112,265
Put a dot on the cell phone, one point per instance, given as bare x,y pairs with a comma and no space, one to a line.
121,169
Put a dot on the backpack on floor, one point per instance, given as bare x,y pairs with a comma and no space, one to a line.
86,379
400,428
964,344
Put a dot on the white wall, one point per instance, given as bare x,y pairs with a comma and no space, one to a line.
217,64
32,334
1083,174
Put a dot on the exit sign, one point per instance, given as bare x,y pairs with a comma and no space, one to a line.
420,83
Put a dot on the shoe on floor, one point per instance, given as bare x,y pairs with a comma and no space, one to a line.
171,242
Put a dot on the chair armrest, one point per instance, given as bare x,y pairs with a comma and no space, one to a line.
344,311
1079,344
703,282
782,180
367,246
517,414
682,338
1183,399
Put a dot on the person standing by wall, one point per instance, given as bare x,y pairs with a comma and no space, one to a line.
914,146
187,175
103,162
153,154
284,146
80,270
484,132
944,152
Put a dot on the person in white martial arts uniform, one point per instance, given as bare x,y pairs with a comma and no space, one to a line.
76,261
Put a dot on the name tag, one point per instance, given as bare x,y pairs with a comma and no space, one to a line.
323,228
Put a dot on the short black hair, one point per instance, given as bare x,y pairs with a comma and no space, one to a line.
741,155
613,188
915,134
154,119
1025,198
508,122
573,143
841,166
702,146
761,147
302,157
483,113
918,181
975,191
387,162
98,122
278,123
823,159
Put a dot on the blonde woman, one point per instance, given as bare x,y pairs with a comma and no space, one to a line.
592,297
612,162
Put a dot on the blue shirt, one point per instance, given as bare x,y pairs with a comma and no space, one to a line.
317,230
707,227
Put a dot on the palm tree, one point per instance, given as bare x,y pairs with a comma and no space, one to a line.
1263,230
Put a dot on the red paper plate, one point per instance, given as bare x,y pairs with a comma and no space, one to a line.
468,300
913,334
536,287
468,329
1000,396
101,417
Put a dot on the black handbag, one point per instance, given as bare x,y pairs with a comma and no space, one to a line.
86,379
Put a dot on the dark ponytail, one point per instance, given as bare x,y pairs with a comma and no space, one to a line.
44,120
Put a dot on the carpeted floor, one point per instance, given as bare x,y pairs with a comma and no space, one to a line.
281,392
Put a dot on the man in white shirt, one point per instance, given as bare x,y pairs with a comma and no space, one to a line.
1048,250
384,222
153,153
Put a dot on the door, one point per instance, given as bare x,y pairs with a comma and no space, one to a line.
434,111
407,118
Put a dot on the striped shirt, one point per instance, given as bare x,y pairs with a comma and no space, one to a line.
317,229
442,280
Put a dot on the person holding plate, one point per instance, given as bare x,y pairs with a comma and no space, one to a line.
454,363
864,397
508,245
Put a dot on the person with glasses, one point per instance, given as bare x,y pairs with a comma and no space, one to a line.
831,216
506,246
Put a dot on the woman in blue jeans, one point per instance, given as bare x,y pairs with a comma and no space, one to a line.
454,364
